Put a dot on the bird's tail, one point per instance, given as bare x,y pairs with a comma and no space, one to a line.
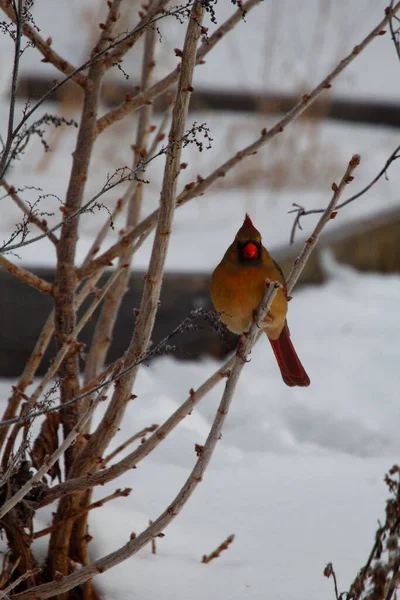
293,372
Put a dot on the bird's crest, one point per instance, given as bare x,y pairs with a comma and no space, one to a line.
248,231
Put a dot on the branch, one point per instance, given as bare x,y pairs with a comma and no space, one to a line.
31,368
327,215
132,104
13,94
44,47
133,197
114,56
71,338
120,205
50,460
20,579
32,218
217,552
119,493
48,590
132,459
152,287
136,543
193,190
302,212
97,59
394,34
27,277
124,174
114,371
129,441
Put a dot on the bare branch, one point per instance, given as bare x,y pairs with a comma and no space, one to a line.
120,205
330,572
48,590
27,277
13,95
327,215
132,459
129,441
196,189
133,197
394,33
156,7
119,493
32,218
44,47
26,377
31,367
162,86
302,212
51,460
152,287
68,343
217,552
14,584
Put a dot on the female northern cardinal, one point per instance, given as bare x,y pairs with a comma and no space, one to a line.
237,288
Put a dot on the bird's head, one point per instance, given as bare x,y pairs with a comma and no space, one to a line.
248,242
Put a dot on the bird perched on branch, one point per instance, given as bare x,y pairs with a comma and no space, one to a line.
237,288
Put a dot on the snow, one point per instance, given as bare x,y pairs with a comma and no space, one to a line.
298,474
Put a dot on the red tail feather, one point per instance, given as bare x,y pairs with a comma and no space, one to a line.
292,370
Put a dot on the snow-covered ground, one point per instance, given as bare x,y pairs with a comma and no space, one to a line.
298,474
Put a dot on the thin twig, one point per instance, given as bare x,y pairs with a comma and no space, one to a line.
154,7
302,212
98,58
26,378
132,459
128,442
120,204
49,461
125,174
164,84
20,579
32,366
217,552
44,47
327,215
119,493
66,347
100,381
32,218
330,572
13,94
153,541
394,34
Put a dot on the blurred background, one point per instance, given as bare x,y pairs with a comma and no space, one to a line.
255,74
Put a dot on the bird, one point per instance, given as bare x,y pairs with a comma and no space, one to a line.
238,284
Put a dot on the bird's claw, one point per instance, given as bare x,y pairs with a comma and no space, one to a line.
239,352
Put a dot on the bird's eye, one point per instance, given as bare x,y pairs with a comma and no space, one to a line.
250,251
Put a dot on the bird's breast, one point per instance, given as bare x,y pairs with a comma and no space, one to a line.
237,293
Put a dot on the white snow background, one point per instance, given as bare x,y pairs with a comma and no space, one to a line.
298,475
